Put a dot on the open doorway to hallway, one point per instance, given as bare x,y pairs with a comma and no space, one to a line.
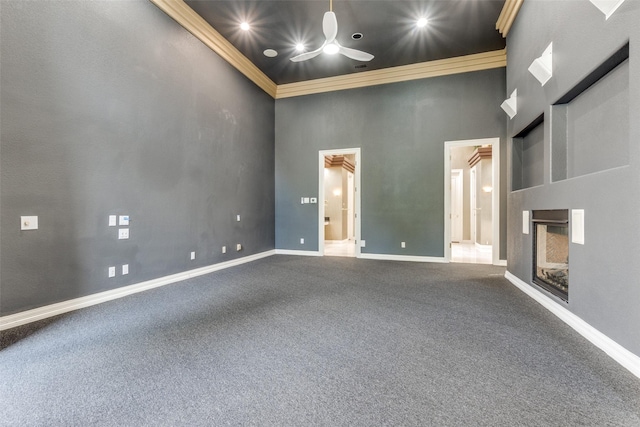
472,201
339,203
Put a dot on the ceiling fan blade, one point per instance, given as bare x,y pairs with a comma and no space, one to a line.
358,55
330,26
308,55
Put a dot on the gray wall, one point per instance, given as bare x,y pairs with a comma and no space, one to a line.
401,129
603,273
113,108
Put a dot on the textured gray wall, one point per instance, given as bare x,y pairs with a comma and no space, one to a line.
401,129
113,108
603,287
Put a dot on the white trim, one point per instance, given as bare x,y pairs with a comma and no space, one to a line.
501,263
618,353
388,257
24,317
297,253
356,199
495,194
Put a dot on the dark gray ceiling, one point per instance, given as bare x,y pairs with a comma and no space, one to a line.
456,27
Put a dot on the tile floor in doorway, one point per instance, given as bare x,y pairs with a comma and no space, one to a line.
345,248
469,253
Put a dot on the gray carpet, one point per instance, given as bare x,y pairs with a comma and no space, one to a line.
294,341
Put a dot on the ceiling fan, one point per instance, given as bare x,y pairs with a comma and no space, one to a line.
331,45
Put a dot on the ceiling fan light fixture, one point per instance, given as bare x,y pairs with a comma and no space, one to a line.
245,26
422,22
299,47
330,49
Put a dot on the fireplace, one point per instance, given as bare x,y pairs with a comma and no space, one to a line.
551,251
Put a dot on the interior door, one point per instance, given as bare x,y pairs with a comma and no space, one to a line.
474,204
456,205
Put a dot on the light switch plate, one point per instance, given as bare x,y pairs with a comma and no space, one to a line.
193,255
363,243
124,220
112,272
305,200
238,247
577,226
28,223
125,269
112,220
525,222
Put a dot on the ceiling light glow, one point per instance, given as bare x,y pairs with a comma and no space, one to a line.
245,26
299,47
331,49
422,22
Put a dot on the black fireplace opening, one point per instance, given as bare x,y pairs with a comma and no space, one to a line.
551,251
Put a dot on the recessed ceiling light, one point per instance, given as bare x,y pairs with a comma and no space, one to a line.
299,47
331,49
422,22
245,26
270,53
356,36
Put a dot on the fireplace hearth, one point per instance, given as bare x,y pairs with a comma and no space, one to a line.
551,251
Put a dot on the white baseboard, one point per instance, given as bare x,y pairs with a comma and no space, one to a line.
618,353
24,317
410,258
501,263
297,253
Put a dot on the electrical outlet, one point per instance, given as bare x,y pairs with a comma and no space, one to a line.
238,247
193,255
224,249
238,218
363,243
123,233
125,269
112,272
302,241
314,200
403,245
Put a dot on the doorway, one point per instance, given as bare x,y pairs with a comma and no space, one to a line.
472,197
339,202
457,205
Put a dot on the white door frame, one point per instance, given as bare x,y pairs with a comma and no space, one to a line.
356,199
495,194
457,202
473,204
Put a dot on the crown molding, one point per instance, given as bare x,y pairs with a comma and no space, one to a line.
196,25
423,70
508,15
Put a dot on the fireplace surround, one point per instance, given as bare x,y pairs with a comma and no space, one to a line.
551,251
